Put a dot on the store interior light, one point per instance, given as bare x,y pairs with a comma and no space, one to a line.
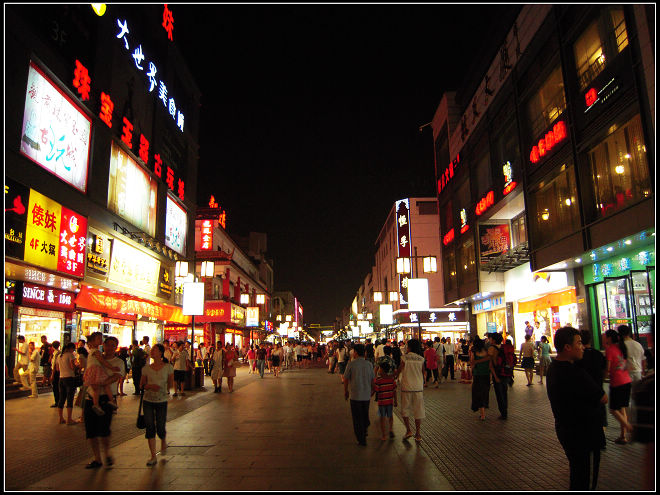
545,215
578,260
628,242
610,249
619,169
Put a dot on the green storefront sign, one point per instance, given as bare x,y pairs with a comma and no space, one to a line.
619,266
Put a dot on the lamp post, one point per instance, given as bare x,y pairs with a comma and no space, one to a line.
430,265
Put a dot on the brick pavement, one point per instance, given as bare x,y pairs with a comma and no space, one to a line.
521,453
457,451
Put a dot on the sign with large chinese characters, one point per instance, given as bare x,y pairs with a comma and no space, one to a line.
55,133
98,254
252,319
133,269
176,226
429,317
206,235
55,236
402,212
494,240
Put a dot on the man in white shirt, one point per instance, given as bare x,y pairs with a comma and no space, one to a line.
297,351
168,354
449,357
380,349
22,359
147,348
635,350
33,368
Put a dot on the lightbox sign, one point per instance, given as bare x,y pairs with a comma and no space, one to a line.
553,137
47,297
176,226
402,209
54,236
485,203
494,240
509,183
55,133
252,319
131,191
206,235
418,294
133,269
386,314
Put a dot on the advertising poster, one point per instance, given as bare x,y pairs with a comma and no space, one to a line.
494,240
133,269
252,317
176,226
132,191
55,133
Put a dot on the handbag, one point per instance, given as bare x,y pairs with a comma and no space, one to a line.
78,379
141,422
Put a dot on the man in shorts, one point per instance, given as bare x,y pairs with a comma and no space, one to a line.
98,427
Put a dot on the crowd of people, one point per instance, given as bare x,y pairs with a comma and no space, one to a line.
383,371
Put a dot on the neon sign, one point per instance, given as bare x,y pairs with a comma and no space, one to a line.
591,97
464,225
485,203
139,58
449,236
509,183
545,144
448,174
207,235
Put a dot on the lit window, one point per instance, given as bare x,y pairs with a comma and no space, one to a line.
547,104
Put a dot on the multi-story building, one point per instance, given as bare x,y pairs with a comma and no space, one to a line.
101,145
287,311
410,231
545,177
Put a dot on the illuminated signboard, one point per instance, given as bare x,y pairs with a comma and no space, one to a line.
17,197
252,319
494,241
55,236
176,226
509,183
448,173
55,132
485,203
403,246
131,191
553,137
47,297
150,71
133,269
206,239
98,254
593,96
464,225
449,236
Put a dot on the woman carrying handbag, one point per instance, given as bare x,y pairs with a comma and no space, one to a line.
157,379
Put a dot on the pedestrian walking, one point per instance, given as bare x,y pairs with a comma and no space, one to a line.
544,357
252,357
81,366
369,352
620,382
635,359
482,369
277,359
157,379
440,357
342,359
55,373
96,373
138,360
595,364
66,367
396,355
33,369
412,388
500,385
182,364
22,360
46,353
359,379
574,399
230,363
449,358
261,359
385,390
527,359
218,367
123,355
431,364
386,360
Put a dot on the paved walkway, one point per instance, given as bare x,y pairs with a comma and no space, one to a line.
295,433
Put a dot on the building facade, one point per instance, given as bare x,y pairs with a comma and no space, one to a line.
545,178
101,145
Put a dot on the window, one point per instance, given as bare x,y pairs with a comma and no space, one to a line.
547,104
447,218
601,42
619,168
466,261
450,270
482,175
463,197
427,207
553,206
519,230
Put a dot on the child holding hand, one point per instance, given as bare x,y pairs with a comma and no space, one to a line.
95,374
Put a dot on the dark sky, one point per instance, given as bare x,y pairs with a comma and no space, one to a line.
310,124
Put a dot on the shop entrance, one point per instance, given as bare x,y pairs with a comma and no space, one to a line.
33,323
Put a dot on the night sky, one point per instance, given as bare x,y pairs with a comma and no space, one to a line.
310,124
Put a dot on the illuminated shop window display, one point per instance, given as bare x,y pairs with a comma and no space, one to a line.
92,322
33,323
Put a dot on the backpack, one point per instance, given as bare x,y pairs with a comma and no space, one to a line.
504,362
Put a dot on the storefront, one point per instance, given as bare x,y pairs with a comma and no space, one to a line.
491,316
222,321
89,323
621,291
438,322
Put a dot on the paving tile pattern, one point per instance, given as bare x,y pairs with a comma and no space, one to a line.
521,453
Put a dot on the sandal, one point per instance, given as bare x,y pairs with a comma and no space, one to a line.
408,435
418,439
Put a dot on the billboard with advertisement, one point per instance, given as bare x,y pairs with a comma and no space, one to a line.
176,226
133,269
55,133
132,191
494,240
252,319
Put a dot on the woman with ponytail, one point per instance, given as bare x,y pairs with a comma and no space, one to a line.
620,381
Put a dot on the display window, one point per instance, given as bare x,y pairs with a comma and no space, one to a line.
33,323
492,322
466,262
553,206
93,322
547,104
149,329
599,44
619,169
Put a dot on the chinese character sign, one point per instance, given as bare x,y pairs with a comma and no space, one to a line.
176,226
73,239
55,132
206,238
403,245
494,240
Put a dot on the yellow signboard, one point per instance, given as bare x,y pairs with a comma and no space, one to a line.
42,231
133,269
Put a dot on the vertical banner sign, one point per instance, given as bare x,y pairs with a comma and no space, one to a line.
403,246
494,240
42,231
206,235
17,197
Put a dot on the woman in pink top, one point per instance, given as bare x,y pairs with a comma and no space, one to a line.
620,382
431,364
251,355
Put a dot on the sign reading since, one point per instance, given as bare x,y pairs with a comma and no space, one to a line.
47,297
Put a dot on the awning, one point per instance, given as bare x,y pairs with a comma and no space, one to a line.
561,298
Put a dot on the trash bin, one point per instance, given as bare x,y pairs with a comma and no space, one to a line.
199,376
194,378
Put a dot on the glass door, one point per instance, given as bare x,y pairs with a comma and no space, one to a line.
642,305
618,299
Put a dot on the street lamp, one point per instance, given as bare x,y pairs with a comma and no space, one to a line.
430,265
402,265
208,269
261,299
245,299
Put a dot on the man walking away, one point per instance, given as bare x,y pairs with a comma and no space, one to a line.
359,378
138,360
575,400
636,360
501,381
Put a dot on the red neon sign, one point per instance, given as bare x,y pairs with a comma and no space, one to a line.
168,22
591,96
465,228
207,235
485,203
545,144
510,187
81,80
448,174
449,236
